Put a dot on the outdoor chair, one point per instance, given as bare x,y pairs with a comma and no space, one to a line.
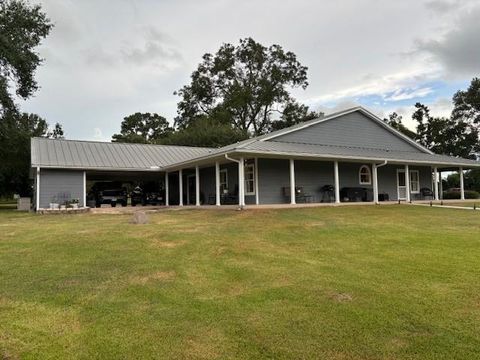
300,195
426,193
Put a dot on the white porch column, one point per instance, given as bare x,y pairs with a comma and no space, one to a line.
407,183
167,197
337,182
440,184
38,190
84,189
375,183
292,182
462,187
257,195
180,187
241,182
217,183
197,186
435,182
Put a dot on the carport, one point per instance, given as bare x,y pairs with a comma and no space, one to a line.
64,170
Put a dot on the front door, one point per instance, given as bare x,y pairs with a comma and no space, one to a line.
401,185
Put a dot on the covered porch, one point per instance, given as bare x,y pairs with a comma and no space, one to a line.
244,179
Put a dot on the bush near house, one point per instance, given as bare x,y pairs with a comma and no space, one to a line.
469,194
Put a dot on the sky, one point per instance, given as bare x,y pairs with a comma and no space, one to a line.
106,59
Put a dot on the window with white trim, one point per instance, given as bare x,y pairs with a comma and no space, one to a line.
414,181
364,175
250,179
223,180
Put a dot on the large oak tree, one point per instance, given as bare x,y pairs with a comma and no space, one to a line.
247,86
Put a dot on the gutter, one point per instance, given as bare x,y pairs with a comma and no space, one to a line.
382,164
230,159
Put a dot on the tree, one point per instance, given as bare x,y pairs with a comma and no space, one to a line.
16,130
294,113
143,128
22,27
206,132
395,121
449,136
466,104
248,84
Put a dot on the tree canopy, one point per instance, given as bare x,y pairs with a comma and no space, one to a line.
395,121
244,85
144,128
22,27
205,131
442,135
16,130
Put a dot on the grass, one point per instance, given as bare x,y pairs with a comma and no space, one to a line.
361,282
469,204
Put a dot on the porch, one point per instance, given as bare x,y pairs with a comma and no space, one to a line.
245,181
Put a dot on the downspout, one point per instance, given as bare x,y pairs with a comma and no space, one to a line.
229,158
382,164
375,189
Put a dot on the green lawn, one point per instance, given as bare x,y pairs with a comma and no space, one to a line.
353,282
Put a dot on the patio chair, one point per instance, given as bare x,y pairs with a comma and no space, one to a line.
426,193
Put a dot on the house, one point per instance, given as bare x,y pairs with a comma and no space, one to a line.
350,155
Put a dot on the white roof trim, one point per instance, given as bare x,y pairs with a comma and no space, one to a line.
361,109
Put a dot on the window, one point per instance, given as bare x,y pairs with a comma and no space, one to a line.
250,179
365,175
223,181
414,181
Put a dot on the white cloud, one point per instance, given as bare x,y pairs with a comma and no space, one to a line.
98,135
394,87
407,94
106,61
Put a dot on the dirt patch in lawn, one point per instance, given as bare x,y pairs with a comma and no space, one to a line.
166,244
341,297
154,277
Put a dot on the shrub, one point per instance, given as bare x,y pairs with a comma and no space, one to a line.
469,194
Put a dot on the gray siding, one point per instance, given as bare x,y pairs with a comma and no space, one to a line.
387,179
273,174
352,130
312,175
59,186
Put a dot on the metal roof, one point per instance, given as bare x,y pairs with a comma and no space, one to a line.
272,144
57,153
142,157
329,151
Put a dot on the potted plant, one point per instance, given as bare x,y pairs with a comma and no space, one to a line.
54,204
74,203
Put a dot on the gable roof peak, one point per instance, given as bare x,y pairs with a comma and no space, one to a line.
339,114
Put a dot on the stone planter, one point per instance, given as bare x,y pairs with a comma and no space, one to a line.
54,206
